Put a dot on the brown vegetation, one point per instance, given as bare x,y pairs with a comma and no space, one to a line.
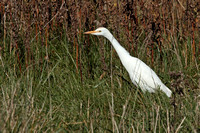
26,21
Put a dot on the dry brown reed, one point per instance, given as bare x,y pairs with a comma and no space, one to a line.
25,22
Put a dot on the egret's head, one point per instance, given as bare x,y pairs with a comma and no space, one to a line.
99,31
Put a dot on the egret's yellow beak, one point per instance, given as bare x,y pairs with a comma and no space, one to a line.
90,32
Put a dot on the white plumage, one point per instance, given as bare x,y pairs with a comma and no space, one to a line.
141,75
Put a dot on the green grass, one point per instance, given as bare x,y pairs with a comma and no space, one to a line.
51,96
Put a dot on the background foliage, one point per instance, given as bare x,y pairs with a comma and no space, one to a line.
55,78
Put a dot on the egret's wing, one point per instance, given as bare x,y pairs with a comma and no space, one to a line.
144,76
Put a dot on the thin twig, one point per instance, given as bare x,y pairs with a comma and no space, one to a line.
48,22
112,115
168,127
124,110
180,125
156,119
181,4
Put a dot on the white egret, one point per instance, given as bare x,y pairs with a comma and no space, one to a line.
141,74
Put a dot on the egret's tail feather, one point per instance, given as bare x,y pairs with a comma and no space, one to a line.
166,90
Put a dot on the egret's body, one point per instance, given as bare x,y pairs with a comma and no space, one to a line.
141,75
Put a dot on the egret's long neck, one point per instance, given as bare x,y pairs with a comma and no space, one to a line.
119,49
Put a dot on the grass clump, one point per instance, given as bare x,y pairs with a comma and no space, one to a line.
54,95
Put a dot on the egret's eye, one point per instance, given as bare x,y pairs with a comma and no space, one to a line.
99,31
